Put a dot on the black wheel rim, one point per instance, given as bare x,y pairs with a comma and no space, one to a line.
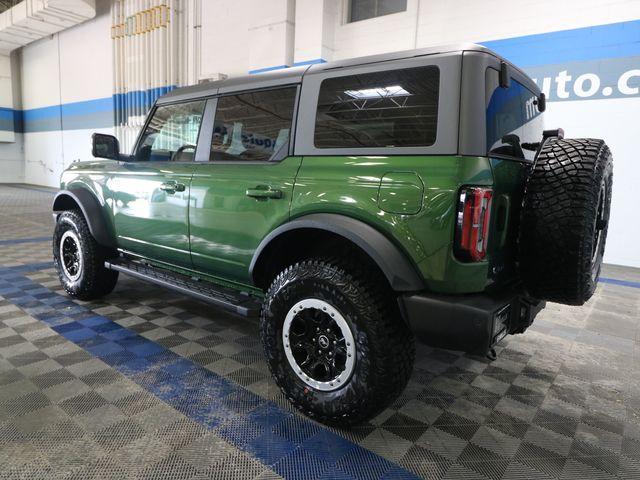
319,344
600,226
70,255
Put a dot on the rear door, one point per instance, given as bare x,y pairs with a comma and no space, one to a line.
151,193
244,190
513,126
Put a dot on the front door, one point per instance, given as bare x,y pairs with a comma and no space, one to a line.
245,189
150,194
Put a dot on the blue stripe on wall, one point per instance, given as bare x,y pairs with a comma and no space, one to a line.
315,61
602,41
268,69
612,41
280,67
11,120
95,113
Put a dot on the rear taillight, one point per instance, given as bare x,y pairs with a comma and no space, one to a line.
472,229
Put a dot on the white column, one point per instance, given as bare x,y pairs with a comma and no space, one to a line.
271,35
315,26
11,143
7,132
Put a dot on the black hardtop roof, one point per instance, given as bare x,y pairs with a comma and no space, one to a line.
294,75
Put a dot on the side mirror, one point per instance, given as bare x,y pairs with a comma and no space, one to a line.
105,146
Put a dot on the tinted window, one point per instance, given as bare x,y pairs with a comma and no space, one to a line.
395,108
172,133
253,126
364,9
513,118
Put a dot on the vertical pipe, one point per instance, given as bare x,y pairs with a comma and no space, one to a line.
163,45
121,40
116,60
158,46
170,23
126,59
137,60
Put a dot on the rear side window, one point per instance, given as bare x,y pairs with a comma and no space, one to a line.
395,108
252,126
512,117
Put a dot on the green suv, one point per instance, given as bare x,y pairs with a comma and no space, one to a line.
352,206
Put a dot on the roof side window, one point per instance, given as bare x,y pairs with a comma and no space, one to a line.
512,118
393,108
253,126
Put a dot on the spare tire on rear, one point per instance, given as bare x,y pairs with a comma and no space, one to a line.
565,215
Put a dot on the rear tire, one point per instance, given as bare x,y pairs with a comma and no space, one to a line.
565,218
79,259
342,303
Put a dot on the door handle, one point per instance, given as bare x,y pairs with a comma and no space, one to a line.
173,187
263,192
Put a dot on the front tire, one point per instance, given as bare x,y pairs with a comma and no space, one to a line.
335,342
79,259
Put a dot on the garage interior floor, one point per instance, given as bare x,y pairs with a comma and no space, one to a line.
147,383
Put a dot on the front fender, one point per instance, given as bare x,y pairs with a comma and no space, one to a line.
395,265
95,213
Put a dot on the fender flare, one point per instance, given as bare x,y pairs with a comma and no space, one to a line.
99,224
395,265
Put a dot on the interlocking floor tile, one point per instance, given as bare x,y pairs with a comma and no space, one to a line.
147,383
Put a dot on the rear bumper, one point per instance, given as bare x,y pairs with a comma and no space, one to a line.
473,323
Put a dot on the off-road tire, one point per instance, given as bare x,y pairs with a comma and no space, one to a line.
384,344
94,279
565,217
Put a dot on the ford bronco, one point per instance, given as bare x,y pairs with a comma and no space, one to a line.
352,206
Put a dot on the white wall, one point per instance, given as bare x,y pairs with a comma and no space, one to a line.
613,120
11,143
246,35
71,67
225,31
241,36
444,22
12,160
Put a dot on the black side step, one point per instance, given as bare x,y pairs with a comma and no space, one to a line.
227,298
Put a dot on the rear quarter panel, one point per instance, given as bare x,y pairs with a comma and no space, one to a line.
350,185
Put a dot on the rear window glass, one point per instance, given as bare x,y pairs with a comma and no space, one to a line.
395,108
512,116
252,126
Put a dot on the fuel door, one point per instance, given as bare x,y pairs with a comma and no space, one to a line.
401,192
